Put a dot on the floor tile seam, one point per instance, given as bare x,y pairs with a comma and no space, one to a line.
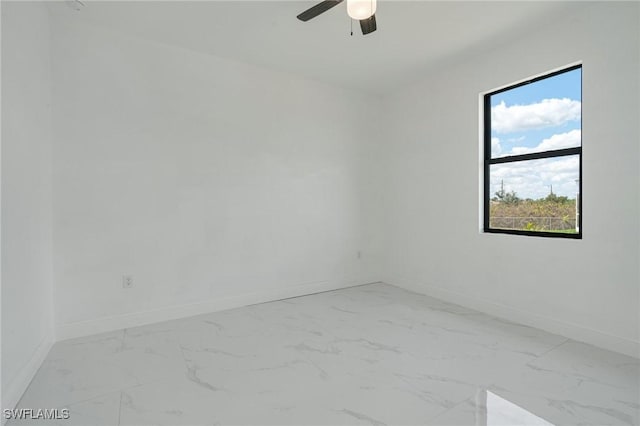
548,351
470,400
475,388
102,395
124,338
120,409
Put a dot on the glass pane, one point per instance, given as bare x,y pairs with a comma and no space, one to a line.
535,195
537,117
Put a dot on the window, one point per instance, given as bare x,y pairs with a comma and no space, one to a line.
533,156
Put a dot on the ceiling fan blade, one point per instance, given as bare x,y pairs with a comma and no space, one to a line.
318,9
368,25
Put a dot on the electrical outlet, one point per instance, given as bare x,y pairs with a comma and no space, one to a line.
127,281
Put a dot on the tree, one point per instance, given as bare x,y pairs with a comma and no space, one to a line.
506,197
553,198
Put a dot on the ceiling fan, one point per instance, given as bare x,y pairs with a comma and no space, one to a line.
361,10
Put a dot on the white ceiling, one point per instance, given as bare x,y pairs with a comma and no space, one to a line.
412,36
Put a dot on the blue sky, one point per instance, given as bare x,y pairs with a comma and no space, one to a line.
565,85
539,116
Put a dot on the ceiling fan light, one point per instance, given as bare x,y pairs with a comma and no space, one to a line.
361,9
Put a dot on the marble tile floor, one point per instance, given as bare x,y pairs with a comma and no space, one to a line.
367,355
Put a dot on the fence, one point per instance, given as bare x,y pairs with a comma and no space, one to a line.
534,223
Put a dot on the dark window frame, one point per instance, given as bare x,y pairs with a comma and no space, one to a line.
488,161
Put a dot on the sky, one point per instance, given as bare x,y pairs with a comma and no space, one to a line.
540,116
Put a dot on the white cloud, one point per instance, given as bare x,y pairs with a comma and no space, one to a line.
514,140
546,113
559,141
496,149
531,179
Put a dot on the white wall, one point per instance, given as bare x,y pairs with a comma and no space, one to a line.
212,182
26,195
587,289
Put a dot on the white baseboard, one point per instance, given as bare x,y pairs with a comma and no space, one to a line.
573,331
15,389
135,319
